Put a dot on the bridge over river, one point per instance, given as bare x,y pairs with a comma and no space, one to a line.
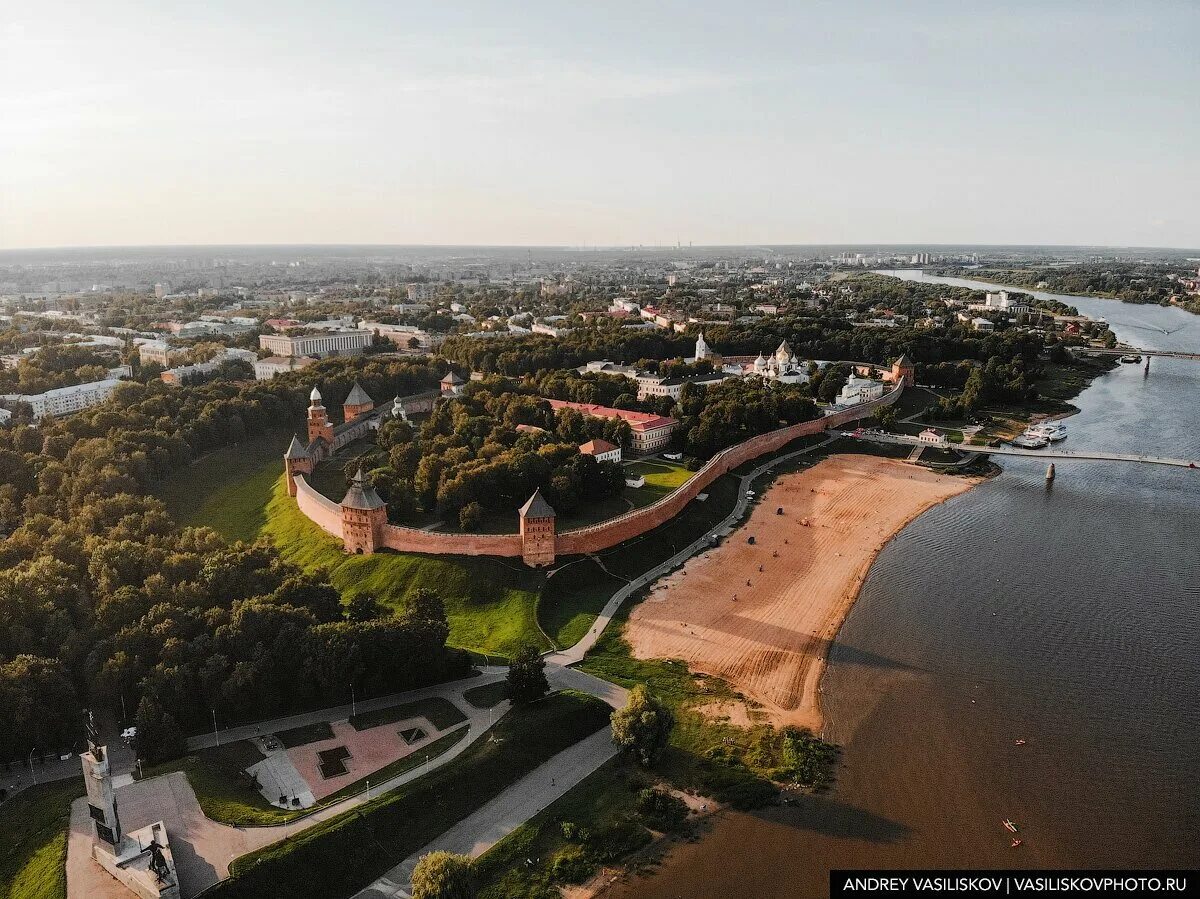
1048,453
1134,351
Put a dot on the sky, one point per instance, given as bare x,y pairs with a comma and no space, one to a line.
134,122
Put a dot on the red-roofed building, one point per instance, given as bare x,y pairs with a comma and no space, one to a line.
650,432
602,450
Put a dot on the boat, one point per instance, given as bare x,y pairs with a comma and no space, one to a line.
1008,825
1016,843
1053,431
1131,357
1019,742
1030,440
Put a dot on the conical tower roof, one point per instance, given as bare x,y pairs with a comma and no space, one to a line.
361,494
537,507
358,397
296,450
315,396
904,361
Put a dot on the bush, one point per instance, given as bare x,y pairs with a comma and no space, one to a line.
661,811
643,727
618,839
526,680
572,864
470,517
443,875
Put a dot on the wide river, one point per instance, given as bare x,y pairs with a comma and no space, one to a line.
1067,616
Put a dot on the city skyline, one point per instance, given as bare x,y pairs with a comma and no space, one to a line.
162,124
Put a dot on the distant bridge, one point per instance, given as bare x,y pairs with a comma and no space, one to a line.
1134,351
1048,453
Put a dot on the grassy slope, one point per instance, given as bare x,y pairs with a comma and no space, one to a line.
441,713
490,602
338,857
33,851
228,489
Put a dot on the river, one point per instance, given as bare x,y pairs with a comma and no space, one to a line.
1067,616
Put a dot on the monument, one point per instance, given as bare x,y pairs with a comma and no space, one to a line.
141,859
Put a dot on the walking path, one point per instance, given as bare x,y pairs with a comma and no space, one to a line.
446,689
574,654
480,831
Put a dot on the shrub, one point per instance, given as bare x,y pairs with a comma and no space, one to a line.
572,864
661,811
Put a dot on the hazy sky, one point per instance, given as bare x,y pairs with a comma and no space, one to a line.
161,122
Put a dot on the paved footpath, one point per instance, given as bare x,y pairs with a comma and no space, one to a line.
574,654
483,829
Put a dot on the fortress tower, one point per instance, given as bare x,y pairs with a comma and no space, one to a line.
904,372
318,419
357,403
363,516
296,461
537,531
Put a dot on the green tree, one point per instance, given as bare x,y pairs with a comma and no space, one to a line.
158,735
470,517
526,679
643,726
363,607
443,875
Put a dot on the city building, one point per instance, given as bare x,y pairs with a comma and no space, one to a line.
860,390
405,337
602,450
65,400
265,369
650,433
337,343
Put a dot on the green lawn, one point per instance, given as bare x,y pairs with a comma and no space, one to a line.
441,713
229,489
572,597
222,786
305,734
488,695
604,804
338,857
226,793
33,852
490,603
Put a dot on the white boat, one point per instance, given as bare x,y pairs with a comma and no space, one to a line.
1029,440
1053,431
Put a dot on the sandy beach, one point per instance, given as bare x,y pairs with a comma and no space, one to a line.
762,616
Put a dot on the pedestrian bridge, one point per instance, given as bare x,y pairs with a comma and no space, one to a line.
1048,453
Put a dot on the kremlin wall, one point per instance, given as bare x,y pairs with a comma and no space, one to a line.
360,520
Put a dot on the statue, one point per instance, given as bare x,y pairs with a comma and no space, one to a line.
158,863
93,734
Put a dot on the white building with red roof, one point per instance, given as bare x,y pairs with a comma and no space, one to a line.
602,450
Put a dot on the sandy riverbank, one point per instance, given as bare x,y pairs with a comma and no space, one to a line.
771,642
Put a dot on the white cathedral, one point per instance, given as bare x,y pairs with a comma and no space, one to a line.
782,366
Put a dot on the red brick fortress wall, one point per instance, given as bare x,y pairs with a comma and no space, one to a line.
328,514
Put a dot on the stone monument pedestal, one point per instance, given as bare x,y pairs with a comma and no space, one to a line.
148,872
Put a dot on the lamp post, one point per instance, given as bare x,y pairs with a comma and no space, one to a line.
368,790
216,736
32,773
353,702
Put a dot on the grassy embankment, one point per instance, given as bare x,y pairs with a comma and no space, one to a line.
33,853
240,491
342,855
